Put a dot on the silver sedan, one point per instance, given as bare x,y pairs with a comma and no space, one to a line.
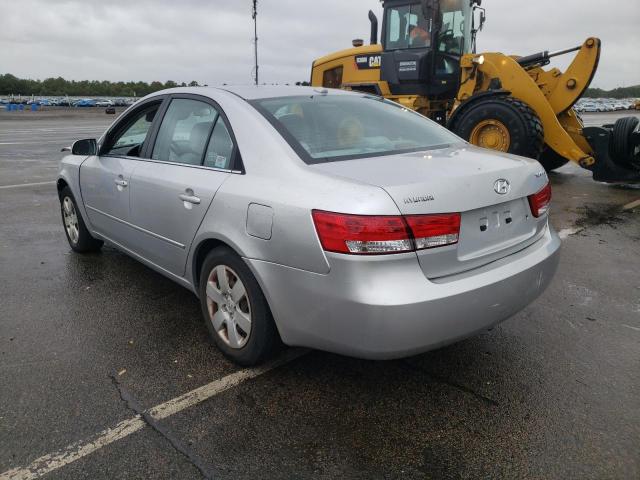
320,218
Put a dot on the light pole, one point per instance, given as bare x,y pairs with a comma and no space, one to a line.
254,15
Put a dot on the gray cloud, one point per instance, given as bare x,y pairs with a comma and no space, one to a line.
211,40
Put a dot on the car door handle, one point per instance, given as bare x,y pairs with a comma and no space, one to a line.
121,182
189,198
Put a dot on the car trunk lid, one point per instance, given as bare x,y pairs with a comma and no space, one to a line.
488,189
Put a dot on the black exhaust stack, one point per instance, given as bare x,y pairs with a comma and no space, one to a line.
374,27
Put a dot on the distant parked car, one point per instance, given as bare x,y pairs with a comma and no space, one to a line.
334,220
590,107
85,102
104,103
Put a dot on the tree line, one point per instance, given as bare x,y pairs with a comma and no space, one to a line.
12,85
620,92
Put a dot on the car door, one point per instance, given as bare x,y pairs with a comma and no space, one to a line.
192,155
105,178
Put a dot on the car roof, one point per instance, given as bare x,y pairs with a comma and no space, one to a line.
252,92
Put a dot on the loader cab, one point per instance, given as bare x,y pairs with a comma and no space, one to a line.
422,42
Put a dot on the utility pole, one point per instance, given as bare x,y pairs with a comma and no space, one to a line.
254,15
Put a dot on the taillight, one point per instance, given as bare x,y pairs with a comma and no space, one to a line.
540,202
431,231
362,234
368,234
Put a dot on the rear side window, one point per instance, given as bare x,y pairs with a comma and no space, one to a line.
220,149
184,132
323,128
332,78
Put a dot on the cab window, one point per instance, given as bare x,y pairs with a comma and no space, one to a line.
407,27
451,35
130,136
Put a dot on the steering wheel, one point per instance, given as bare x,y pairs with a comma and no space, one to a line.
447,33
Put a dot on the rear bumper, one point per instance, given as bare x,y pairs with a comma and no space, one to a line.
380,309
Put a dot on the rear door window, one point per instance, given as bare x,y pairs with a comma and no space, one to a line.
184,132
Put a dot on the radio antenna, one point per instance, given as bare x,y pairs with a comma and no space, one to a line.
254,15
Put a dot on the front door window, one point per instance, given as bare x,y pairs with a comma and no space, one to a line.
128,139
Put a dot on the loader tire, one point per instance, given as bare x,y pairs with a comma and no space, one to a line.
501,123
620,146
550,160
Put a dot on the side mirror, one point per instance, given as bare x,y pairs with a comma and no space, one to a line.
88,146
479,17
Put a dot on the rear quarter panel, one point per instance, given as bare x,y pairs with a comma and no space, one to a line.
276,177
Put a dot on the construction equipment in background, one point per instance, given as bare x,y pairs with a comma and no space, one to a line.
427,62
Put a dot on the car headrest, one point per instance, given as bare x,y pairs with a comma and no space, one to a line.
199,134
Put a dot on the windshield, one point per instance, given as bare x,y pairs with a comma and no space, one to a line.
323,128
453,29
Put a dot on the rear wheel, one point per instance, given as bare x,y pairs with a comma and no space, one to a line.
80,240
621,148
500,123
235,310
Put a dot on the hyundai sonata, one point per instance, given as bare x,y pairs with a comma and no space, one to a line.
322,218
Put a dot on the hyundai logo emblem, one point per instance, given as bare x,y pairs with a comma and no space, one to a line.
502,186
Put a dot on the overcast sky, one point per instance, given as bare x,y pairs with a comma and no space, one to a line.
211,40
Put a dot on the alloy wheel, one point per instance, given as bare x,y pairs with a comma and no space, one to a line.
228,306
70,220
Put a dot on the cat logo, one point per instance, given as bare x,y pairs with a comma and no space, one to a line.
365,62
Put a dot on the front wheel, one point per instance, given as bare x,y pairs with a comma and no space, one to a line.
235,310
550,160
78,236
500,123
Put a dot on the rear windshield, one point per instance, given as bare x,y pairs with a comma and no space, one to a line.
324,128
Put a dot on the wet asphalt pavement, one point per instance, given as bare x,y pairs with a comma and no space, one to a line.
554,392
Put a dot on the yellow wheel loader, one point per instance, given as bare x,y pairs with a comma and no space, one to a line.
427,62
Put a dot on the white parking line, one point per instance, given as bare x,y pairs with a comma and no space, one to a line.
18,185
77,450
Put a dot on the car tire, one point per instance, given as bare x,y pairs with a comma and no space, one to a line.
621,149
78,236
511,123
550,160
228,312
